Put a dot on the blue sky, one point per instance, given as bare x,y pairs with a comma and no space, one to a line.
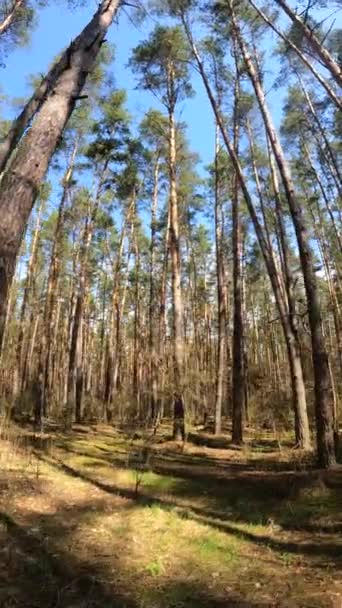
57,26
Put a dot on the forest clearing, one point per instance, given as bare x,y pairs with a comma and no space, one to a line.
170,304
207,527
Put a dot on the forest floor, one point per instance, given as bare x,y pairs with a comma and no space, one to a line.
103,518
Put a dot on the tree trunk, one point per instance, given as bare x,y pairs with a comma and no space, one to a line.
153,305
333,96
48,339
221,299
75,373
238,377
162,314
20,183
314,42
330,154
267,253
7,22
114,329
323,404
27,299
302,428
178,320
137,323
338,234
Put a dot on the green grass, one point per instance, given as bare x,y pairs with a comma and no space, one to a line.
157,483
199,542
155,568
212,548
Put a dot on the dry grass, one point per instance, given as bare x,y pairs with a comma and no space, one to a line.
209,527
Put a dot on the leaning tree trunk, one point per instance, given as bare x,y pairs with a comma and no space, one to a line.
302,429
327,202
10,17
266,251
330,91
314,42
328,147
20,183
323,404
48,84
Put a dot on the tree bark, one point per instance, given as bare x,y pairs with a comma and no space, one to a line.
238,376
221,299
20,183
178,318
333,96
267,253
302,428
7,22
314,42
323,404
153,304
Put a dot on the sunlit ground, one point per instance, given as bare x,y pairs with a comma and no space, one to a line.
89,521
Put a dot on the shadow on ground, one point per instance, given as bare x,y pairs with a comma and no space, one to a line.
35,573
271,507
242,511
242,492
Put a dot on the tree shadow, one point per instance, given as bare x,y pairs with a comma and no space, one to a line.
37,576
223,442
238,491
216,519
38,573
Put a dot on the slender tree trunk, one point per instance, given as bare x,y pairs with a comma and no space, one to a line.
238,378
314,42
302,428
153,327
323,404
75,373
267,253
48,343
114,329
162,315
333,96
330,153
178,318
11,15
221,299
338,234
322,240
27,299
137,323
